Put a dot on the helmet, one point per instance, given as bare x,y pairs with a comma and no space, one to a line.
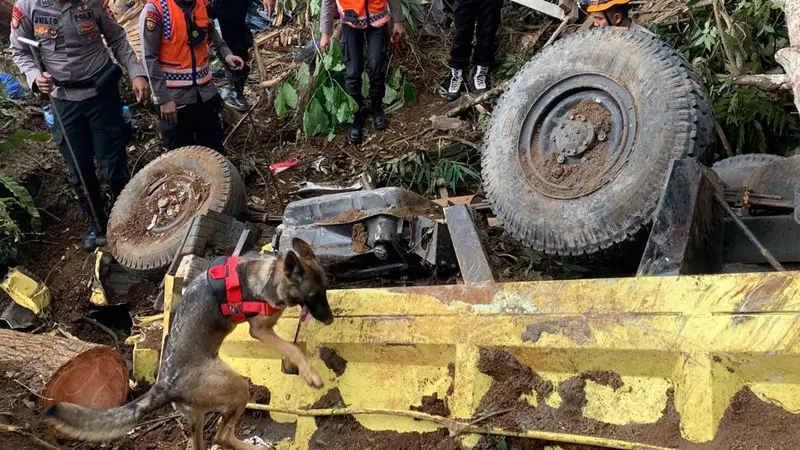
603,5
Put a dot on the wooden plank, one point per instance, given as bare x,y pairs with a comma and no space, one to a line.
543,6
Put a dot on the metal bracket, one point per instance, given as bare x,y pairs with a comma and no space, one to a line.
686,237
471,256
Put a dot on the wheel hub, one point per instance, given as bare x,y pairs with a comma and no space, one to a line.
171,199
575,138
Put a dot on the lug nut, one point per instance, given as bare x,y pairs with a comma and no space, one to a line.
582,119
553,137
561,159
601,136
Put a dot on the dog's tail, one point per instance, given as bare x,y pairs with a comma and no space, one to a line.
89,424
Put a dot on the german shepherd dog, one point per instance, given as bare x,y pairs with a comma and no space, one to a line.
192,376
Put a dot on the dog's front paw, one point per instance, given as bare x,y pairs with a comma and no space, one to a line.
312,378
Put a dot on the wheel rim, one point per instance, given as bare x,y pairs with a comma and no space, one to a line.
172,198
577,136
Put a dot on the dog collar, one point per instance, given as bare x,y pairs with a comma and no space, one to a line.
233,302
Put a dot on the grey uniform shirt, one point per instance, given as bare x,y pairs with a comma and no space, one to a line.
151,42
71,36
329,11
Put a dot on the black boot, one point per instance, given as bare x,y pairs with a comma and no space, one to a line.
357,128
379,116
95,237
236,99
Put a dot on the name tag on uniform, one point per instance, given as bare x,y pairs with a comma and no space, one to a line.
45,20
44,30
83,16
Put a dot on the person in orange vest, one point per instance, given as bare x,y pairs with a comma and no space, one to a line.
175,36
364,21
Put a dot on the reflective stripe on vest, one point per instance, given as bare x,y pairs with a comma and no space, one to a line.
174,55
378,12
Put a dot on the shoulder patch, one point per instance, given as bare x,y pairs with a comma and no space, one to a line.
16,16
109,12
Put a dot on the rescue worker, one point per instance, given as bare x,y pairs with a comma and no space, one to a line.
613,13
480,18
232,15
82,81
175,36
364,22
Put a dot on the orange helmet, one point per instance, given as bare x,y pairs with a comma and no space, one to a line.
603,5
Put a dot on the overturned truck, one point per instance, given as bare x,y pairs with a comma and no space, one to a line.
591,154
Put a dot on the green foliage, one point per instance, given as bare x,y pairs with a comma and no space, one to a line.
329,107
422,170
16,208
753,121
17,139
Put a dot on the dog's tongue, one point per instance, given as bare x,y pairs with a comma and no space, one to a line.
304,315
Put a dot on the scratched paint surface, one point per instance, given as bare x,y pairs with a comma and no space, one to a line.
704,337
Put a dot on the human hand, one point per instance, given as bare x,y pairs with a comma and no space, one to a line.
324,40
398,30
44,82
169,112
269,6
234,62
141,89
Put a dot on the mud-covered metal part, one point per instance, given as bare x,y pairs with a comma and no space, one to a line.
779,234
574,137
734,171
472,259
377,233
686,237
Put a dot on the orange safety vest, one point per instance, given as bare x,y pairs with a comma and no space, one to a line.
368,12
182,65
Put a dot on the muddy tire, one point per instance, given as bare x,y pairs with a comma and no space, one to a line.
172,188
581,141
780,177
734,171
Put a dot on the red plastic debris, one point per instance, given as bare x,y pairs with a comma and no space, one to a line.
283,165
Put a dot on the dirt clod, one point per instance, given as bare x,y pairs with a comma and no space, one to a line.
359,243
594,113
347,216
432,404
333,361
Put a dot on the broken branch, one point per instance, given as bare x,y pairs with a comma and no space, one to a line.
777,82
488,95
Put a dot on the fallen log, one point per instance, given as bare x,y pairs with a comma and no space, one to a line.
56,369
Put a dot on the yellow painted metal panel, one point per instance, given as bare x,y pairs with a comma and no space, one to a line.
693,342
25,291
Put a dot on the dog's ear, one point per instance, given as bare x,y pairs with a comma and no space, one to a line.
292,267
302,248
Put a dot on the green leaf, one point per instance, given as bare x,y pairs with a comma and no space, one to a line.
315,120
410,94
364,85
389,96
17,139
346,109
303,76
23,198
286,99
397,77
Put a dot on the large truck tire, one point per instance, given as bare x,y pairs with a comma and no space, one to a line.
735,170
581,141
152,214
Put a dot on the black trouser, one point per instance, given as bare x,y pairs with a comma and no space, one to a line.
469,15
95,128
198,124
235,32
377,40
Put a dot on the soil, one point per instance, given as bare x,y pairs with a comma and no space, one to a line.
432,404
345,433
163,205
347,216
593,112
359,243
333,361
512,379
259,423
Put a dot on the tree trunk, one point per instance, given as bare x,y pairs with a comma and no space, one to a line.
64,370
789,57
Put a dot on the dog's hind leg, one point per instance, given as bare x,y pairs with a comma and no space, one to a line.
195,418
219,388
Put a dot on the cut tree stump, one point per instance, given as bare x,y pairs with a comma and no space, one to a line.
64,370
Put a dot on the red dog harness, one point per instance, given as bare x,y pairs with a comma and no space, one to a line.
224,280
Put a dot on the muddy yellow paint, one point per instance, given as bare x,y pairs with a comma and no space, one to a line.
701,337
25,291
